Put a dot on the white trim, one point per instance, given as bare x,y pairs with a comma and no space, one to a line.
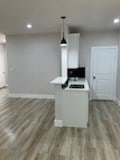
77,126
58,123
115,68
116,101
38,96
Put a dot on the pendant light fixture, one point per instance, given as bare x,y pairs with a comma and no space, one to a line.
63,41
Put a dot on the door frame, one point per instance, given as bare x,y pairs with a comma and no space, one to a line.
3,57
115,68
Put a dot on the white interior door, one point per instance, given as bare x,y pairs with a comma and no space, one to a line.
103,72
2,68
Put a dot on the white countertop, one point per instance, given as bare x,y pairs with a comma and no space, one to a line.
80,81
59,80
62,80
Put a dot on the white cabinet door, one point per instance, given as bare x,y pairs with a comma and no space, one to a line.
75,108
103,72
2,68
73,50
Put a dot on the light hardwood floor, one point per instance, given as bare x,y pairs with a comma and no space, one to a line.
27,132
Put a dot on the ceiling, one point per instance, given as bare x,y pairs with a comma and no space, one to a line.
88,15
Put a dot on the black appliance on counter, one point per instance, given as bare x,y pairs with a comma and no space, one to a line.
76,72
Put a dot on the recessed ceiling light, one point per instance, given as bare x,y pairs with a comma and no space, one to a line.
116,20
29,26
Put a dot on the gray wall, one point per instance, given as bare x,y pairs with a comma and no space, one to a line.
118,71
91,39
33,61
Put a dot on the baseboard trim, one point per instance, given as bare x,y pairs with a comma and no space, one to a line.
38,96
76,126
58,123
116,101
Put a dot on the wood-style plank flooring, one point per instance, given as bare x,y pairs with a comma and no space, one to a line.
27,132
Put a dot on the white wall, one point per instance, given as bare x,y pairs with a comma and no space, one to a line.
33,61
91,39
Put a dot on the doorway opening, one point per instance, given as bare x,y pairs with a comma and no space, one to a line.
3,62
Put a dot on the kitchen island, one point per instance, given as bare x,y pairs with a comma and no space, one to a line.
71,104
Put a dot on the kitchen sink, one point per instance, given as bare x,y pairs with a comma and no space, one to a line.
77,86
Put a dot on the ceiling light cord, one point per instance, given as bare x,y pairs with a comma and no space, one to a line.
63,27
63,41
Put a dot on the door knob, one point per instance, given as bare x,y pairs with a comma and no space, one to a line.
94,77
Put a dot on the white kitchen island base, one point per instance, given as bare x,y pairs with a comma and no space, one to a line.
71,106
75,108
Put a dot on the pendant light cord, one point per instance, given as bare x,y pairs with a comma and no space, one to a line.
63,27
63,24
